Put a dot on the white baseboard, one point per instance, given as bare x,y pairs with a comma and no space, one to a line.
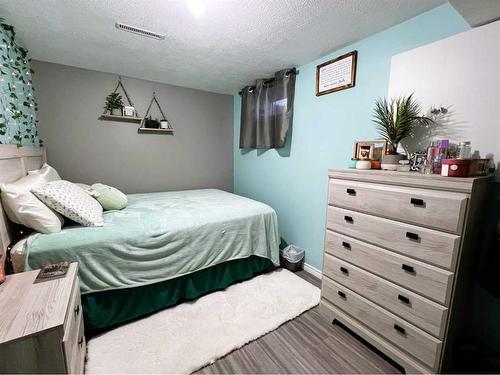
313,271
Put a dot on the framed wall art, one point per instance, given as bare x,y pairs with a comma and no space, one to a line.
337,74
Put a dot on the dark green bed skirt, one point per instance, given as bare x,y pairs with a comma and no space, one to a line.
114,307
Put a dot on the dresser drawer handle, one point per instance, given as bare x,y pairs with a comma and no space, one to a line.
403,299
413,236
80,342
347,245
342,294
77,309
351,191
417,202
399,329
408,268
349,219
344,270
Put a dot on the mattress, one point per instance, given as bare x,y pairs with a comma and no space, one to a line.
161,236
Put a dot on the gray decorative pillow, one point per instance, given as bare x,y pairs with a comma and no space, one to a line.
71,201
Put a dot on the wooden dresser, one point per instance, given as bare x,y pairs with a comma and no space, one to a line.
41,325
398,254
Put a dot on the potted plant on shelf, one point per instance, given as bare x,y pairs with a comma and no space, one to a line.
114,104
395,121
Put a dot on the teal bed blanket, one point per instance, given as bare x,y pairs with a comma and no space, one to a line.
161,236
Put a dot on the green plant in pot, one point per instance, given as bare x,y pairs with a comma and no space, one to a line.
114,104
395,121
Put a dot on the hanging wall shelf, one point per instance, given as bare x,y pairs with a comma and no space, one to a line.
106,117
149,126
154,131
132,119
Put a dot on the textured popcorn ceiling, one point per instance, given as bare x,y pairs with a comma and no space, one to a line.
230,45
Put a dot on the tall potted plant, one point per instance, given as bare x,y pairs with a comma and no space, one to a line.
395,121
114,104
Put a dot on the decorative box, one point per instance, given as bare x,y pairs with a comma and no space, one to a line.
478,167
455,167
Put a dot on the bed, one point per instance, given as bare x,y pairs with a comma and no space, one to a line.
162,249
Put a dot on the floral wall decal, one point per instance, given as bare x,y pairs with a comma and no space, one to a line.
18,122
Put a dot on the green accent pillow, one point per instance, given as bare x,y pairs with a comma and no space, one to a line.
109,197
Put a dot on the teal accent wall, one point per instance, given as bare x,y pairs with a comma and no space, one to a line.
18,122
294,180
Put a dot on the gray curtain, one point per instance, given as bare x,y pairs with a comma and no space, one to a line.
267,111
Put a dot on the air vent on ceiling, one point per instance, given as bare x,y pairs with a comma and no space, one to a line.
136,30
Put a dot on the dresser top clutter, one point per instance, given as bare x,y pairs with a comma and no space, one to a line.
409,179
397,266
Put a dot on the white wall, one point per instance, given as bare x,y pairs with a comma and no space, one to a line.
461,73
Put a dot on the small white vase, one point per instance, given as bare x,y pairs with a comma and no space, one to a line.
364,164
391,162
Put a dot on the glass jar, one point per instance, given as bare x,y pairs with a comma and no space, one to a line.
464,150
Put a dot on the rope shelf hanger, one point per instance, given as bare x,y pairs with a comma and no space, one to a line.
144,129
109,117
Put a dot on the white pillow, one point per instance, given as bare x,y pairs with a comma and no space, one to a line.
46,171
22,207
71,201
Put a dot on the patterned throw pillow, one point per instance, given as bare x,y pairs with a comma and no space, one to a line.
71,201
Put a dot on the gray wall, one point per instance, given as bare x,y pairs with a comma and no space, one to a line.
85,149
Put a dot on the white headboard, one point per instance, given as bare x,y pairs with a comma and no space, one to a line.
15,162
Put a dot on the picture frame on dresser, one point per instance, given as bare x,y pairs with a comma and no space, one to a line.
398,250
373,150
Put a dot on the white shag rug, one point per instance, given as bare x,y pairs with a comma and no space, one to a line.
184,338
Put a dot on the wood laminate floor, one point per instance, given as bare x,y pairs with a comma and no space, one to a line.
306,344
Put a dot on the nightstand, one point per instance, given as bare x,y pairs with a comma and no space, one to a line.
41,325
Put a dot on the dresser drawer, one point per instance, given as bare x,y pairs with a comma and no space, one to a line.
431,246
418,310
430,208
429,281
413,340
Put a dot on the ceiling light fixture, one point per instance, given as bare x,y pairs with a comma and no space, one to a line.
196,7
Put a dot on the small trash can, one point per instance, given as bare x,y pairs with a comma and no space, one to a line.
292,258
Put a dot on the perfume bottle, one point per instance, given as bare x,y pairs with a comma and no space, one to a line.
440,154
464,150
426,168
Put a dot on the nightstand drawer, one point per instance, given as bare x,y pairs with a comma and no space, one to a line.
73,339
431,246
430,208
413,340
429,281
418,310
79,348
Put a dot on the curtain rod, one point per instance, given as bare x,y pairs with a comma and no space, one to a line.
292,71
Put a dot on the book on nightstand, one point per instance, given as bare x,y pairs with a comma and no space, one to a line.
52,271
